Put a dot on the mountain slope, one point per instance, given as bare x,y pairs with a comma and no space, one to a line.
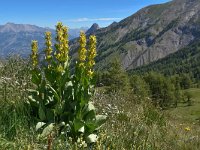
93,29
183,61
16,38
150,34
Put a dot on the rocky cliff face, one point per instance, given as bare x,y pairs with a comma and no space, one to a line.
150,34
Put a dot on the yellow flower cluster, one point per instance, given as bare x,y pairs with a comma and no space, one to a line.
48,49
62,45
82,50
34,55
187,129
91,54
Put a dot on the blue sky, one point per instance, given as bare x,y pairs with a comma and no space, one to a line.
73,13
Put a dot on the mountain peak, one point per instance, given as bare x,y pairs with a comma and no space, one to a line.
12,27
93,28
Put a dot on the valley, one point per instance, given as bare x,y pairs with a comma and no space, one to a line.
125,83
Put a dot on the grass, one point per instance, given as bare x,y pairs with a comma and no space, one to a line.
189,114
132,123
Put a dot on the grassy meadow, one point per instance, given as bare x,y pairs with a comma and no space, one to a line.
133,123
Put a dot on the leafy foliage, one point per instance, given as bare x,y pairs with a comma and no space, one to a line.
184,61
61,100
115,77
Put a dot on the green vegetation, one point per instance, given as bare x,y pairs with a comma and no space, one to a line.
164,91
61,101
185,61
187,113
115,77
46,105
133,121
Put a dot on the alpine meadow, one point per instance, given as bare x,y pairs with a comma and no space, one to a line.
123,75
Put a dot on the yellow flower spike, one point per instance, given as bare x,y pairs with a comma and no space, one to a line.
59,38
34,55
90,73
82,50
65,44
91,55
48,49
62,45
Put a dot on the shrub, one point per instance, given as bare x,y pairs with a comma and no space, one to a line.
61,100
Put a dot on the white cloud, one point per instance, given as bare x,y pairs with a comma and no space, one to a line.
93,19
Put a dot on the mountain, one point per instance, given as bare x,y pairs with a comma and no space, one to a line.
93,29
150,34
184,61
74,33
16,38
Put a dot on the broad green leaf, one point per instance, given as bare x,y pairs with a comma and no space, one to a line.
49,75
50,115
78,124
41,113
90,127
39,125
100,119
89,116
47,130
36,77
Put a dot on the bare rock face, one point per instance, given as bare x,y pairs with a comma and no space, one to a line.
150,34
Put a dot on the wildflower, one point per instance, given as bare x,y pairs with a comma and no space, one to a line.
90,73
48,49
65,51
34,55
187,129
62,45
91,55
82,50
92,51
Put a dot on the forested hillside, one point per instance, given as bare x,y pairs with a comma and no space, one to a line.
185,61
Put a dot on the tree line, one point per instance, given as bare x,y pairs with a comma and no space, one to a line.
164,91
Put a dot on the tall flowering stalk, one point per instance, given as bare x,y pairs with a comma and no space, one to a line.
59,39
82,50
65,42
62,46
91,55
34,56
48,49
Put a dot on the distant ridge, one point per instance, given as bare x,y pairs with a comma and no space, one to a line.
16,38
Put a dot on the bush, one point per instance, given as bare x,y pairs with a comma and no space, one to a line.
60,100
